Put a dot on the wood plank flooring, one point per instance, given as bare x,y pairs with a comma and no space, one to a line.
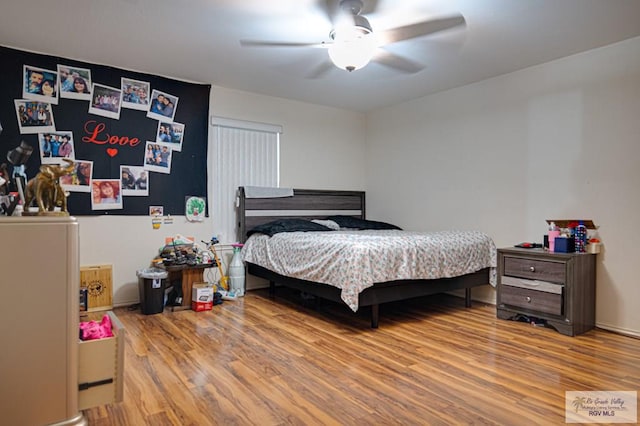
263,361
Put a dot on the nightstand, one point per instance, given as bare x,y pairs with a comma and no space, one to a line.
559,288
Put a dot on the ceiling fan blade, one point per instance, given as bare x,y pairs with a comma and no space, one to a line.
320,70
265,43
331,8
398,63
418,29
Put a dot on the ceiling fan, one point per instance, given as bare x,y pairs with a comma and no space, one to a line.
353,43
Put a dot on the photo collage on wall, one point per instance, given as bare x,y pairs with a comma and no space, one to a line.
41,91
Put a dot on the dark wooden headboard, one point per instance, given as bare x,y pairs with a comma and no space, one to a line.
305,203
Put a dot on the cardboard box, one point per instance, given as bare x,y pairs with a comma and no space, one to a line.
201,306
201,297
563,223
202,292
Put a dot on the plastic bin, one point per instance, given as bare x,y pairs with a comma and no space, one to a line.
151,283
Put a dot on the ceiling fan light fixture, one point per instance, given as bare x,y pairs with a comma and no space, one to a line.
353,42
352,48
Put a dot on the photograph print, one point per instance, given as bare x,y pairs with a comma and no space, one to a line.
34,117
135,181
54,146
157,158
80,179
156,210
105,101
170,134
106,194
162,106
135,94
75,83
40,84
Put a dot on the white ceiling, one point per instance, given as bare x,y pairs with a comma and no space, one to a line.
198,40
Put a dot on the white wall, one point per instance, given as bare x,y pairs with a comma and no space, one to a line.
320,148
559,140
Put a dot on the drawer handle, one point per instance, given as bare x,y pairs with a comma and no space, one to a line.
85,386
528,299
532,268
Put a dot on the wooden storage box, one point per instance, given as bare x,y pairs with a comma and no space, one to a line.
101,368
97,279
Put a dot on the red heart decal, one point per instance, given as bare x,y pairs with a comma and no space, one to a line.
112,152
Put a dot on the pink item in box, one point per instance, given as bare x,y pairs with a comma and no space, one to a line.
552,239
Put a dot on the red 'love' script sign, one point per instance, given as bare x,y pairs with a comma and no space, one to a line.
95,134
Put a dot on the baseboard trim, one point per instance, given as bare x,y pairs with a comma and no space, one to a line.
619,330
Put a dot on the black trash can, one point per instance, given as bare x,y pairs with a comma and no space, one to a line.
151,283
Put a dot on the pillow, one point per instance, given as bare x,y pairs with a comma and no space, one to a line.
287,225
355,223
328,223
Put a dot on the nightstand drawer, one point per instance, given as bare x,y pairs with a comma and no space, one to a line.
534,269
536,285
541,301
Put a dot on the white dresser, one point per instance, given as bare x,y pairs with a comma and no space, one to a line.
39,304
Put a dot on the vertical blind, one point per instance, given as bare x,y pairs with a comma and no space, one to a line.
245,153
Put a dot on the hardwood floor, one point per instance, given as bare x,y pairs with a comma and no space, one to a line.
280,361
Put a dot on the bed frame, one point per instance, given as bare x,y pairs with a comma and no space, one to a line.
318,204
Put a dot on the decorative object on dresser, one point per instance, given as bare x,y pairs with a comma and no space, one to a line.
556,289
46,191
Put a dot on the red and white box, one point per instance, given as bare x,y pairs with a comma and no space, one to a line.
202,297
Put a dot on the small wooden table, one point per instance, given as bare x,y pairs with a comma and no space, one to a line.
187,274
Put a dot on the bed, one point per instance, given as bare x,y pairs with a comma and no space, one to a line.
363,267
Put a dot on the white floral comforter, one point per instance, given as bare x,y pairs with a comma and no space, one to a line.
355,260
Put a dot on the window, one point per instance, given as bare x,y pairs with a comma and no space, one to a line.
244,153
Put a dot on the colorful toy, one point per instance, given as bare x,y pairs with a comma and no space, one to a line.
92,330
